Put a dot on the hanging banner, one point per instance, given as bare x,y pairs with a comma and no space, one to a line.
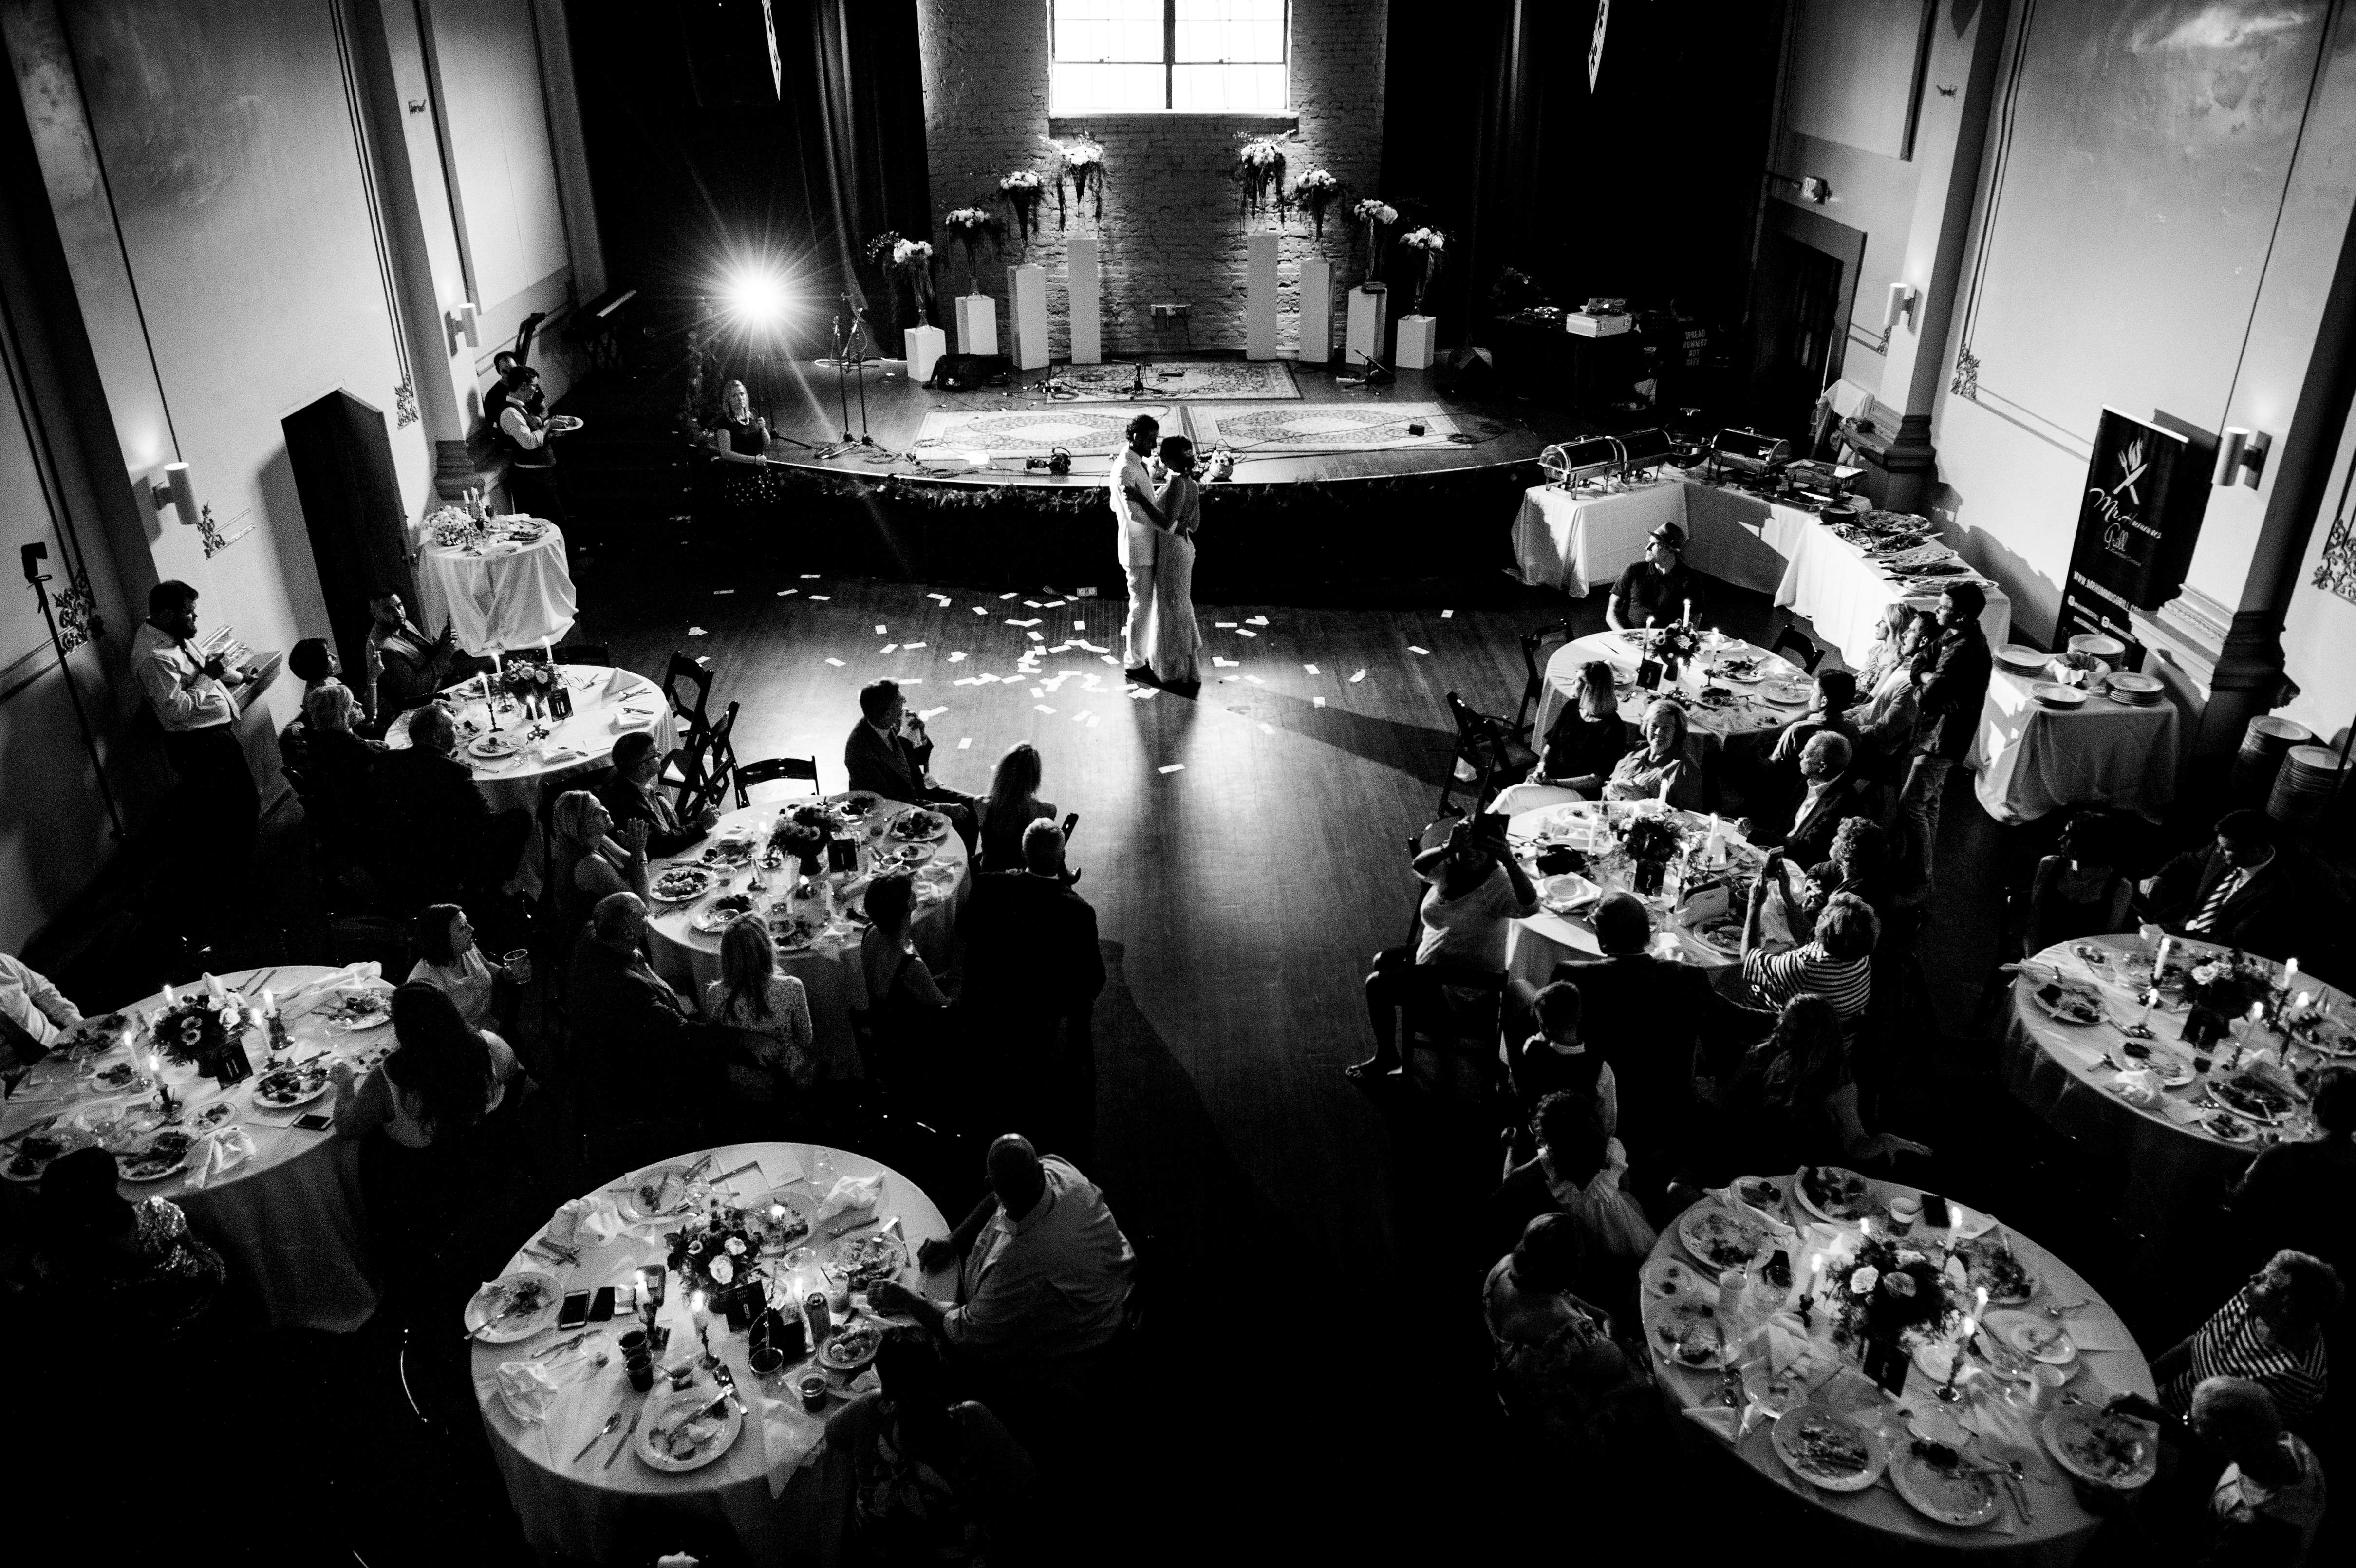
1595,44
2138,517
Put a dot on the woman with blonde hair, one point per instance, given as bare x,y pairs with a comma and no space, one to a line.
1013,805
589,858
740,449
772,1010
1582,746
1659,769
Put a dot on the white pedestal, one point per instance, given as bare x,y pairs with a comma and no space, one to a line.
1259,296
1416,335
925,345
1365,342
1026,313
977,322
1086,299
1316,310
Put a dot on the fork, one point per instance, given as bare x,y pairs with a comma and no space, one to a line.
612,1421
2057,1310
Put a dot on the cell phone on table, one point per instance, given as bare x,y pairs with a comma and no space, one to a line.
602,1307
574,1312
312,1121
1071,820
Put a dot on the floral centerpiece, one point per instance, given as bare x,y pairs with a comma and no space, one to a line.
907,261
970,227
1081,162
453,525
1259,169
201,1031
528,680
1887,1291
1316,191
1679,641
1022,191
716,1253
803,831
1650,843
1432,242
2221,991
1372,214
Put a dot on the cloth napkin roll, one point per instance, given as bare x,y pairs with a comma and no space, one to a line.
852,1201
2139,1088
585,1222
619,682
225,1150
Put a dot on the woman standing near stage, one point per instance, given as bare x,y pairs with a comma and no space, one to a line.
740,447
1173,637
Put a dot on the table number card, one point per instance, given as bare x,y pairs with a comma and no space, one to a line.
1886,1364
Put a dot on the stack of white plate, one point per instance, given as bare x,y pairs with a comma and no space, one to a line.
2095,645
2302,787
2054,695
2260,758
2136,691
2021,657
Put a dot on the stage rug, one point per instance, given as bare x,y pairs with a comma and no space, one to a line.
1324,427
1257,381
1030,432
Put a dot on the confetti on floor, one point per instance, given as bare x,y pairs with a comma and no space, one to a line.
1255,680
1267,729
933,713
811,576
966,744
981,610
1448,614
1033,621
1256,621
719,591
1042,707
1173,768
910,647
1319,702
1411,648
697,632
887,647
1005,597
882,630
1224,624
1358,677
836,662
783,592
821,598
1240,632
1310,667
1220,663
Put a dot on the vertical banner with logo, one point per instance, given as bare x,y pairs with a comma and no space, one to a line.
2146,489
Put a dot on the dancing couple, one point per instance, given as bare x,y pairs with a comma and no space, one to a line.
1157,505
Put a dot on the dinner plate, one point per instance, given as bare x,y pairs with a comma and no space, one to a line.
1988,1264
2054,695
2034,1335
1786,693
1722,936
2021,656
1949,1492
868,1257
1830,1448
2237,1095
494,745
2103,1448
724,912
2051,1007
206,1118
851,1346
729,854
513,1307
1672,1277
905,855
795,935
1760,1195
1720,1239
2230,1128
283,1089
1559,895
659,1192
798,1205
1853,1200
36,1153
120,1078
164,1156
681,884
918,824
668,1413
359,1011
1685,1331
566,422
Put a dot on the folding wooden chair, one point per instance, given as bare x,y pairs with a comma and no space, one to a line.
774,770
584,653
685,671
701,773
1486,749
1804,652
1534,688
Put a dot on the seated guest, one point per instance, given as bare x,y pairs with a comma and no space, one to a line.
2266,1506
2294,1194
435,834
1012,806
1659,589
1033,972
445,1076
934,1479
771,1009
1587,740
2079,890
1836,963
1826,800
1555,1061
638,1051
2242,891
589,859
1476,890
1558,1367
1795,1103
1579,1170
315,662
1859,864
1828,702
1044,1271
1659,769
450,960
405,666
2270,1332
123,1268
907,1009
887,753
30,1002
1885,719
633,796
338,768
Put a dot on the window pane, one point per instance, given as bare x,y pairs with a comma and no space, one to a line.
1078,88
1228,87
1108,29
1230,30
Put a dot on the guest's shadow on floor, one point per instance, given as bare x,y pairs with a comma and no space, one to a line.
1417,750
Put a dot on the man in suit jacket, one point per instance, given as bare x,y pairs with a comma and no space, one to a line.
1950,681
1130,487
638,1052
1033,974
886,755
437,839
2243,891
1829,800
631,796
405,667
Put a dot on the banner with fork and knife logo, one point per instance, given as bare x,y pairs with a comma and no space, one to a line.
2139,517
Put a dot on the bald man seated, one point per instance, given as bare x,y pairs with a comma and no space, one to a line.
436,838
1044,1271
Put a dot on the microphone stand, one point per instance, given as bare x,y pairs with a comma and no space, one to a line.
1376,374
857,332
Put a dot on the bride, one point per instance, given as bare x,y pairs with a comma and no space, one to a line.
1174,639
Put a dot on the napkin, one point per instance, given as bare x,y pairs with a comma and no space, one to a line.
852,1201
2179,1113
2139,1088
553,755
529,1389
225,1150
586,1221
619,682
1718,1419
1786,1342
303,1000
2098,1334
627,720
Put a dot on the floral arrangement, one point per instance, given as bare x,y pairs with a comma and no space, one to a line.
1022,191
1372,214
193,1029
1313,192
909,260
802,832
526,677
1651,839
1081,162
716,1254
1885,1291
2219,991
1432,242
1259,168
452,525
969,227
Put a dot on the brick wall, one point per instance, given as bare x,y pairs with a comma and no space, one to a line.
1172,228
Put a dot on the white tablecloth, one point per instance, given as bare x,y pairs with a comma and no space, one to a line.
606,704
2032,759
768,1487
830,969
1534,946
288,1221
2061,1525
1748,713
506,597
1576,540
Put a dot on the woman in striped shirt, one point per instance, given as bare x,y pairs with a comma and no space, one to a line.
1836,963
2271,1332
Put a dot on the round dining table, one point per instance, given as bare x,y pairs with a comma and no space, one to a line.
1794,1358
286,1215
1744,691
547,754
2173,1147
509,586
683,936
579,1493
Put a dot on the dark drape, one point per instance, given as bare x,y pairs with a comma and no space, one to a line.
697,163
1645,187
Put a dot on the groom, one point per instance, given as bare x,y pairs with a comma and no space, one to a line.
1135,518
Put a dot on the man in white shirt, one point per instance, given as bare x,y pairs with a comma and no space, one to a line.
28,1001
1129,485
189,694
525,437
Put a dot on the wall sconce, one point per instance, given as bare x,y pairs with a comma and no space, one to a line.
1902,304
174,490
2241,456
460,323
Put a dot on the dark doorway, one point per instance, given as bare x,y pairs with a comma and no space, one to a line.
343,476
1798,301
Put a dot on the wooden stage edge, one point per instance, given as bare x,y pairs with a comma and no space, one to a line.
809,416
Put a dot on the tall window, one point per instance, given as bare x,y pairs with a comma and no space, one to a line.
1206,56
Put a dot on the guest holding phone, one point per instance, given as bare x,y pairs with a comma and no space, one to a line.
1476,890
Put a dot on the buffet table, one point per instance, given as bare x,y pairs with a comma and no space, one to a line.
510,587
2174,1144
2032,759
1576,540
767,1479
1791,1365
285,1216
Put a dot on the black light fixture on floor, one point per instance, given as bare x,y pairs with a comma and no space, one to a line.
34,555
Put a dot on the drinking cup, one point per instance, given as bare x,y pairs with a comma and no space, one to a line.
681,1375
767,1361
519,966
641,1371
1905,1210
813,1387
634,1343
2045,1385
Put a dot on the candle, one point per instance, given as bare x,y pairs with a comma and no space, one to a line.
2159,959
1689,612
270,1003
2150,999
170,996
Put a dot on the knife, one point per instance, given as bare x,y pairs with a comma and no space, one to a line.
562,1345
627,1433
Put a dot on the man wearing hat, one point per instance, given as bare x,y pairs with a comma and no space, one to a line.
1659,589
